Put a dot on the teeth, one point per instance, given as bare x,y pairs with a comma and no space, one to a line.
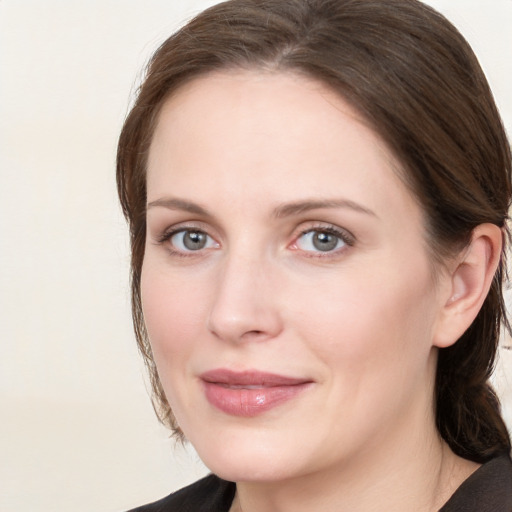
242,386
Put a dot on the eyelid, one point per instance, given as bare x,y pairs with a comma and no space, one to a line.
190,225
164,238
343,234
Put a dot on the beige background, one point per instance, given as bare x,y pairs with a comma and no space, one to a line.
77,430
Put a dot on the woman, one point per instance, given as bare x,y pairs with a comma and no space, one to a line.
317,193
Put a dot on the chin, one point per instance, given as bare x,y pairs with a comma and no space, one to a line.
256,454
247,468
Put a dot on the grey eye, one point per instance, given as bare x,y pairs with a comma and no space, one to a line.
189,240
325,241
319,241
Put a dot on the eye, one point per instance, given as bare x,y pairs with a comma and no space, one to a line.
322,240
188,240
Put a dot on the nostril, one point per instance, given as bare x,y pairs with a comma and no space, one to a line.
253,334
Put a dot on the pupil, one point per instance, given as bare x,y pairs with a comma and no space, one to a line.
194,240
324,241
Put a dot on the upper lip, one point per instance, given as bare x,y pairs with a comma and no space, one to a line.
253,378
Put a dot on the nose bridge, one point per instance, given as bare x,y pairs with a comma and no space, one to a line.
243,305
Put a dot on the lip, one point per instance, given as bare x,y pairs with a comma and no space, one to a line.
251,392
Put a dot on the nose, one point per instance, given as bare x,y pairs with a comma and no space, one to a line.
244,305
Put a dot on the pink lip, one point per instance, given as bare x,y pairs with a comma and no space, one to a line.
251,392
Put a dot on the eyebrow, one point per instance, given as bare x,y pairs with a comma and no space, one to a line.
180,204
290,209
281,211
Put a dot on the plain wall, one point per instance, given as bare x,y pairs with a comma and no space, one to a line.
77,431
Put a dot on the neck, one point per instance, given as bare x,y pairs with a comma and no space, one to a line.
420,475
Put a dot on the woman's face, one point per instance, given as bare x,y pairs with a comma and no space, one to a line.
286,286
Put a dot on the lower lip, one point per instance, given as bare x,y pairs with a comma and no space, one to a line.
248,402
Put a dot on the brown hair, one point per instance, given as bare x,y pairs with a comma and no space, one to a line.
416,81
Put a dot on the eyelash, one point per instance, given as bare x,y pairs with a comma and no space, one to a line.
346,238
167,236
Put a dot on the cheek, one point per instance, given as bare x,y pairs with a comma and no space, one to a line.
172,315
369,320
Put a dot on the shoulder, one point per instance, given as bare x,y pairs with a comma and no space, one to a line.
488,489
210,494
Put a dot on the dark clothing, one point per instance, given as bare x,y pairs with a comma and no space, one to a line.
210,494
488,489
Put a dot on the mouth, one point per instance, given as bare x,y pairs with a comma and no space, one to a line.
251,392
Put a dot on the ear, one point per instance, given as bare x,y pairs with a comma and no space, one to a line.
468,283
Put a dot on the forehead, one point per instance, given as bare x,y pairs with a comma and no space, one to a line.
259,104
260,136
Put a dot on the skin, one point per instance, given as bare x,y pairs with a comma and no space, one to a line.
362,321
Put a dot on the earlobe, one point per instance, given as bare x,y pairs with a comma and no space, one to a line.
468,284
